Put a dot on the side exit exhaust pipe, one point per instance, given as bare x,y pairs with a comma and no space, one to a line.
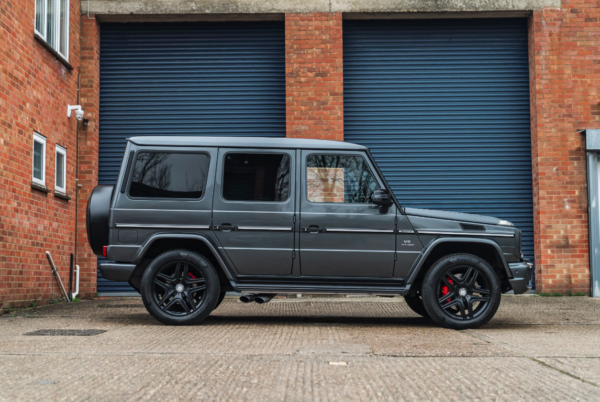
260,299
247,298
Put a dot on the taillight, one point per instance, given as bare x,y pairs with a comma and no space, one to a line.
104,251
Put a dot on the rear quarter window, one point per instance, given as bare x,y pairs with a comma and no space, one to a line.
169,175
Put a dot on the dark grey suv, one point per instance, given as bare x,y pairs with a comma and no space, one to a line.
194,217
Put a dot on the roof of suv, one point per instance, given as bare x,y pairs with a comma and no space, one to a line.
245,142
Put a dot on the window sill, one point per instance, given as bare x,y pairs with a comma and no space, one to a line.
63,196
54,52
39,187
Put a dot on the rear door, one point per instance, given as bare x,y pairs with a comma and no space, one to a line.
343,233
253,216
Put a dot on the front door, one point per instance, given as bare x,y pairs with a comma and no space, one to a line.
253,213
343,233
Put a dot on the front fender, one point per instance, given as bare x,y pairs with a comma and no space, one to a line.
420,261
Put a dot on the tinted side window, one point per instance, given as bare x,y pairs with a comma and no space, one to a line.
169,175
256,177
339,178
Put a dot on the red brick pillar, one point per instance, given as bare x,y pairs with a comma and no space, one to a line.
88,146
314,76
564,77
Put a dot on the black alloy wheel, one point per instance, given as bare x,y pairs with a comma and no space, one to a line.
464,292
180,287
461,291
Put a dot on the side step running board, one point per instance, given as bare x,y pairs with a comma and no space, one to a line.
328,289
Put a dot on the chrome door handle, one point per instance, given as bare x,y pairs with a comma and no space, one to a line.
225,227
313,229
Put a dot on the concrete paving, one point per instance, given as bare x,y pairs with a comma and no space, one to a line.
303,349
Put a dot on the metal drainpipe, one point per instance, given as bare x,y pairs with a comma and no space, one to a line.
77,167
88,15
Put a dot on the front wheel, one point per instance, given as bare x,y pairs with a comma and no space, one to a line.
180,287
416,304
461,291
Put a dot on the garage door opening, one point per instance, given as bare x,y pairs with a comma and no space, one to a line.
202,78
444,107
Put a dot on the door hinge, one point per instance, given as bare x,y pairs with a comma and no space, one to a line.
294,218
395,256
293,254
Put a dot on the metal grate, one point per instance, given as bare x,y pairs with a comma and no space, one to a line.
66,332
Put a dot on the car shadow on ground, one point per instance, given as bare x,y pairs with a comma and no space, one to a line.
223,320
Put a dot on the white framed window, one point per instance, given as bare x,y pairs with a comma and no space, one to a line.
61,170
52,24
39,159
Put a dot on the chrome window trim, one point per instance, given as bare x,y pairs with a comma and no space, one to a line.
486,234
351,251
266,228
338,213
256,248
162,210
255,212
342,230
160,226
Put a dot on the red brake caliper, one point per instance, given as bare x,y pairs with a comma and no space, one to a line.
445,290
191,276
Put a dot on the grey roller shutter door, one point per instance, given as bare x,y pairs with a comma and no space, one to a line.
444,107
203,78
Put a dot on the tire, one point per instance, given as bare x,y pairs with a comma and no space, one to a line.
416,304
461,291
188,299
220,299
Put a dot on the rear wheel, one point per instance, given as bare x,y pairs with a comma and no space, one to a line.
461,291
220,299
180,288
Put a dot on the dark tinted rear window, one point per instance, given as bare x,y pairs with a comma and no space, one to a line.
169,175
256,177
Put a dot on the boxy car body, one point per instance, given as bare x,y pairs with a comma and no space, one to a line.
293,216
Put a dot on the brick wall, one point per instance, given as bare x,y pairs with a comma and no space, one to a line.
35,89
565,84
88,144
314,76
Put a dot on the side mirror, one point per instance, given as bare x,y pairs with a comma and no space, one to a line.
382,198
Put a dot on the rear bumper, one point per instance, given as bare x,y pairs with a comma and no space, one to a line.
521,272
116,272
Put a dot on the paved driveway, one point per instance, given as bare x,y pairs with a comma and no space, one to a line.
303,349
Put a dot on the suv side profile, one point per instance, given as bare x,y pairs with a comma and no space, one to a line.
192,218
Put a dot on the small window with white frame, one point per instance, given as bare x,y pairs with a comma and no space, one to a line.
52,24
39,159
61,169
